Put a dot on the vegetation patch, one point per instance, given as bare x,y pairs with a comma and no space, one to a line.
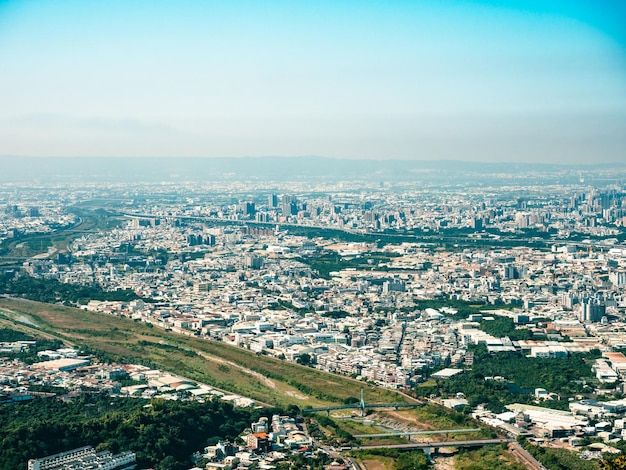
434,417
330,261
398,460
9,335
500,327
501,379
486,458
53,291
162,433
559,459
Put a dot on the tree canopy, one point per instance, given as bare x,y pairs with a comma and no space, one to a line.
153,429
53,291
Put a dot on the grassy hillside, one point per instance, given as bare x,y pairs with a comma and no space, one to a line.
262,378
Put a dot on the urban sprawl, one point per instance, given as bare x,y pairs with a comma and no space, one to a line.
368,280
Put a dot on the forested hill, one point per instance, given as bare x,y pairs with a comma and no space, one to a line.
162,433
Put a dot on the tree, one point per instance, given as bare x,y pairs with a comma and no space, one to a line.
168,463
618,463
304,359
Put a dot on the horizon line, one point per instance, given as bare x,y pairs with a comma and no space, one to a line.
303,157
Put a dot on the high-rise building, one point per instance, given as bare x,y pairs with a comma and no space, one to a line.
254,262
289,207
618,278
248,208
591,311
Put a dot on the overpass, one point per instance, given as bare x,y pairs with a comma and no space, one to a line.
431,447
435,444
415,433
361,405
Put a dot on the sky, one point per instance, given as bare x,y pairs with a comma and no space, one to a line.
509,80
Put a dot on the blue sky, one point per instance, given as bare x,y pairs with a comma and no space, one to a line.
469,80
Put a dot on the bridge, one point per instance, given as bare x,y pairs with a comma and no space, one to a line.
431,447
361,406
436,444
415,433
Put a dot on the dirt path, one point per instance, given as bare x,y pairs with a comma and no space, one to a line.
268,382
444,461
297,395
373,465
407,421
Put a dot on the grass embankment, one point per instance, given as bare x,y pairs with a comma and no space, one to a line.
262,378
487,458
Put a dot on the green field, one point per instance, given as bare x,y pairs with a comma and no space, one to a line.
262,378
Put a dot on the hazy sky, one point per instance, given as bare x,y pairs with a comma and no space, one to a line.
526,80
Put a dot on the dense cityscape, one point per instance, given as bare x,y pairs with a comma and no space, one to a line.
329,235
422,289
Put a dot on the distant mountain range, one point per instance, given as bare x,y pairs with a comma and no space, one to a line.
272,169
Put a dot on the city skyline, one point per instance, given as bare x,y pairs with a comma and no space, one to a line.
459,80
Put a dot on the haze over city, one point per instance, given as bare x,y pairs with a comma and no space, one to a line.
296,235
525,81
